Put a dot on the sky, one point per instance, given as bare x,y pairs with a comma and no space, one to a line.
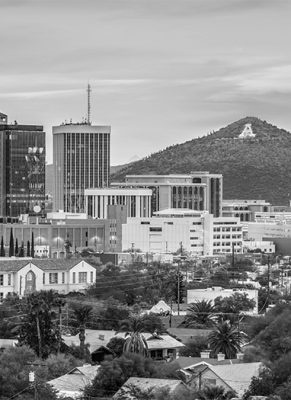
162,71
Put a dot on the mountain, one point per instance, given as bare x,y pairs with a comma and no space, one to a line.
255,164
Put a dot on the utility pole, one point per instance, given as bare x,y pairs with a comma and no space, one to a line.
268,289
178,288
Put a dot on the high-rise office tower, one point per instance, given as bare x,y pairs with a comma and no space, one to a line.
81,154
22,168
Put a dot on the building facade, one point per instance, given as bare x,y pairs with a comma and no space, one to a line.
81,160
22,168
23,277
137,201
199,233
99,235
246,210
198,191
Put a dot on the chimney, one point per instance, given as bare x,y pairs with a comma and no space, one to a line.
220,357
205,354
240,356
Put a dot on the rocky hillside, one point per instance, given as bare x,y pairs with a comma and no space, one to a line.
257,166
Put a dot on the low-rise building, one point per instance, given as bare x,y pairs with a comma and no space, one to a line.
244,209
23,276
199,233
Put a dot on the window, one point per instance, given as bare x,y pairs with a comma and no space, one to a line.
1,297
91,276
155,229
74,277
145,223
63,277
9,279
1,280
82,277
53,277
43,278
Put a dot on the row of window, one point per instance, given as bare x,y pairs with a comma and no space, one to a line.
9,280
54,277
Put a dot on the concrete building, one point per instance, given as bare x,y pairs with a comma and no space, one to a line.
100,235
264,246
244,209
267,231
200,191
22,168
81,160
199,232
137,201
23,276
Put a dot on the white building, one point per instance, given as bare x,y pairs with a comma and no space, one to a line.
23,276
136,200
195,295
199,232
263,246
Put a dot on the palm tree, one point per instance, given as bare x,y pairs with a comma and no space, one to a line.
214,393
82,315
200,314
226,339
135,342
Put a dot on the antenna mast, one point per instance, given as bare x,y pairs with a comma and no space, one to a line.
89,104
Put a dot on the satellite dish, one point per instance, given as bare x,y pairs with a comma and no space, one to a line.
36,209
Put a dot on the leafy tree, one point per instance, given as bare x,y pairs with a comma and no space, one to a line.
116,345
283,391
200,315
82,314
194,347
2,249
226,339
113,374
234,304
14,369
111,316
38,329
67,246
11,244
263,385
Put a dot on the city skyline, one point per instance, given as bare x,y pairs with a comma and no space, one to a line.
161,72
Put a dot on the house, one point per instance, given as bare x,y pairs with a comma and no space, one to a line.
101,354
7,343
24,276
161,308
232,377
73,383
160,347
144,385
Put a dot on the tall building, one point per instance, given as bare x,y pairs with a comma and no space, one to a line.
22,168
81,160
200,191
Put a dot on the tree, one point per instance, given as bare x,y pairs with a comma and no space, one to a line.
82,314
2,249
38,329
28,249
32,245
234,304
67,246
226,339
16,247
262,385
11,244
111,316
200,315
135,341
113,374
215,393
194,347
116,345
21,251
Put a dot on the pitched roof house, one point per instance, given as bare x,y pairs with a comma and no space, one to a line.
72,383
26,276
